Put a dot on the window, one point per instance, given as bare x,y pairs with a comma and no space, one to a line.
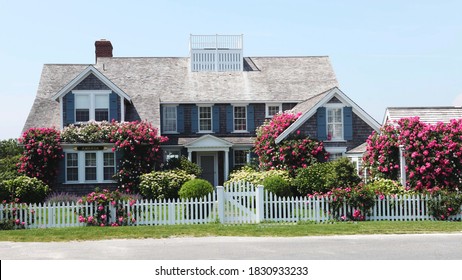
109,166
273,109
240,118
334,124
241,158
72,167
205,119
91,106
335,152
170,154
90,167
169,119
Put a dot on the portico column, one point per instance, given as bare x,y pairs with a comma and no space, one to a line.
189,155
226,165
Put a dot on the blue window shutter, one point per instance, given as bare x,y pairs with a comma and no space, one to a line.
348,123
194,120
113,107
250,118
70,108
161,118
216,119
229,119
62,170
231,159
321,123
180,119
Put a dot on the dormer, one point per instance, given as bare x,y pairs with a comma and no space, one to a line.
216,53
91,96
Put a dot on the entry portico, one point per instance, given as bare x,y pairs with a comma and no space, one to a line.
206,151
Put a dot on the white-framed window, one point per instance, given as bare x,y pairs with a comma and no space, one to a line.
89,166
169,119
240,118
72,167
241,157
205,118
91,105
334,123
273,109
335,152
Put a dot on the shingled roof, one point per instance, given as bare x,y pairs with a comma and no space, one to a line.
430,115
151,81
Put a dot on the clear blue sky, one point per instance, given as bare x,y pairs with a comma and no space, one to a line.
392,53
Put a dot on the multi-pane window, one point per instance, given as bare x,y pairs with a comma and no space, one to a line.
90,167
109,166
91,106
334,124
101,108
169,119
82,108
205,118
240,118
272,109
240,158
72,167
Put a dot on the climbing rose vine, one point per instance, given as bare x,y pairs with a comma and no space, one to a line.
294,152
433,153
42,153
137,142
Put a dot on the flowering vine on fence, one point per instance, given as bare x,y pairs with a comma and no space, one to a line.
433,153
292,153
42,153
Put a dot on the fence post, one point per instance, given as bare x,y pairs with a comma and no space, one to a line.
259,203
221,204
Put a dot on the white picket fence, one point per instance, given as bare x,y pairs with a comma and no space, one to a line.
232,204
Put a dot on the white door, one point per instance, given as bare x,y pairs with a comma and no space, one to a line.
208,163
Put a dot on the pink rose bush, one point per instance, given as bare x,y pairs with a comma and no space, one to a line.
433,153
294,152
42,153
102,203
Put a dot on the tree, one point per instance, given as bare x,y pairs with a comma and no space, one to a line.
293,152
433,153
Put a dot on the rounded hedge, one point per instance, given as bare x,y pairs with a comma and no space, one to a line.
163,184
26,189
196,188
277,185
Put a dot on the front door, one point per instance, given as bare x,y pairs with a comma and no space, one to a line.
208,163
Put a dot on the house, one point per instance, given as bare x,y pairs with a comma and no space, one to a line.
430,115
208,104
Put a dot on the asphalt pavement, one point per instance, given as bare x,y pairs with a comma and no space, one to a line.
356,247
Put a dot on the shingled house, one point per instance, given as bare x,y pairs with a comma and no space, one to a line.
208,104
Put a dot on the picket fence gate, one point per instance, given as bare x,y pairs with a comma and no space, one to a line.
235,203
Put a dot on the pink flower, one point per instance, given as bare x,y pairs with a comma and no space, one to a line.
103,217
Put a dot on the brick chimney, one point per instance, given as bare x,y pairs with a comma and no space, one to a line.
103,48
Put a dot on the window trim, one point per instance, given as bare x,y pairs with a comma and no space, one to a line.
199,118
81,165
342,123
164,119
66,168
336,150
267,105
247,149
92,95
245,118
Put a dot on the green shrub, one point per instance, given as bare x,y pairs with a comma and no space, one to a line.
8,167
322,177
359,199
5,193
386,187
163,184
27,190
443,204
10,148
247,174
314,178
184,164
196,188
344,173
277,185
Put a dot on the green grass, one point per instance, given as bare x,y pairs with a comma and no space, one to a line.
252,230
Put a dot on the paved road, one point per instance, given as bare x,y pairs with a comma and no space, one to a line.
358,247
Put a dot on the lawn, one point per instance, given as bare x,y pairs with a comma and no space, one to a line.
250,230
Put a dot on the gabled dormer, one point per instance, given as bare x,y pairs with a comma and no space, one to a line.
91,96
